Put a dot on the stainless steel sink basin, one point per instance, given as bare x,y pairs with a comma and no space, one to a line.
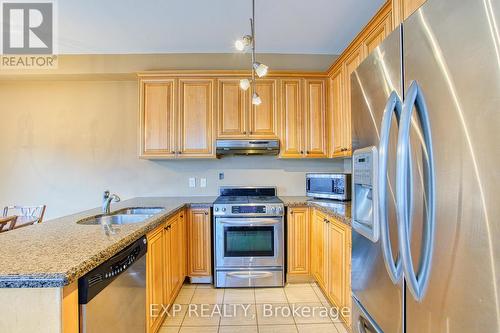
115,219
139,211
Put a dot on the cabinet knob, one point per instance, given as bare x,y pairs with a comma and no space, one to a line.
206,213
302,152
182,216
172,152
244,132
180,152
291,212
251,132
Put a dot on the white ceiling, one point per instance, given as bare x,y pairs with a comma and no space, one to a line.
202,26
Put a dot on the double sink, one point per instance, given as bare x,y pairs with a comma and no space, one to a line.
123,216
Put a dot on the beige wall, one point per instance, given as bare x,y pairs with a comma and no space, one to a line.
63,142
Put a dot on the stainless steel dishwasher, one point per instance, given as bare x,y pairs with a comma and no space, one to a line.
112,296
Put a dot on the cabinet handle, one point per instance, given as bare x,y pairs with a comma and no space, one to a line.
206,213
302,152
182,216
251,132
244,132
172,152
180,152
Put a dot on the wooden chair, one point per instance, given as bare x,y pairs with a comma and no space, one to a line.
7,223
26,215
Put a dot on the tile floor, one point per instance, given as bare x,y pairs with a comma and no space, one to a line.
202,308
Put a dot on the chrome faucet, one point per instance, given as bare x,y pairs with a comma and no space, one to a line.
106,201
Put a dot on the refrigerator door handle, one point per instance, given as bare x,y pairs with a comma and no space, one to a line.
417,282
393,106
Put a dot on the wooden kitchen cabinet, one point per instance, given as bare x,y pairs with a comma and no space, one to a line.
292,115
336,115
158,99
263,118
315,118
232,109
199,245
177,118
239,119
164,268
339,264
377,35
155,278
298,224
196,118
402,9
331,258
319,248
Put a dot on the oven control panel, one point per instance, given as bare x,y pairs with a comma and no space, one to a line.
248,210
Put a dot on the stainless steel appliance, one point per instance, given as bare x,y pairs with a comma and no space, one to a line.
249,237
112,296
247,147
426,102
336,186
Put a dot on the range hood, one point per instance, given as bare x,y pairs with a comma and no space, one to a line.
247,147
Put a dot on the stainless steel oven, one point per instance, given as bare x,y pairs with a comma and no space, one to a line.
249,242
249,238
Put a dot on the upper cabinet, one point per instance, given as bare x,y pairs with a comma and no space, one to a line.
339,102
403,8
315,118
176,118
157,117
232,110
303,118
196,115
292,117
239,119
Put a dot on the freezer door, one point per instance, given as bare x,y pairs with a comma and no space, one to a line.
452,50
371,85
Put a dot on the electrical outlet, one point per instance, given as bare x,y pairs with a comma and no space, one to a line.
192,182
221,175
203,182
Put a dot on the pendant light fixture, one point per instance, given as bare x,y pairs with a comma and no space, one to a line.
259,69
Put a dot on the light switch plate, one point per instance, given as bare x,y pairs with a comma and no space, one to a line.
192,182
203,182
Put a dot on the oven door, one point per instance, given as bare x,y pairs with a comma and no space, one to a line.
249,242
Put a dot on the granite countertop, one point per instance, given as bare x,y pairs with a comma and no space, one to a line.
57,252
338,209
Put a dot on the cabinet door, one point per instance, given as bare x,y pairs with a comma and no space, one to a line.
377,35
352,62
263,118
336,115
315,110
157,118
319,248
292,128
196,110
183,239
337,247
155,277
199,240
232,109
298,241
175,272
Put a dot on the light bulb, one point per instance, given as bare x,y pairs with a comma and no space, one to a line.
260,69
239,45
256,99
243,42
244,84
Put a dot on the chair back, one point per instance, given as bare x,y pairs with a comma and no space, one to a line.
7,223
26,214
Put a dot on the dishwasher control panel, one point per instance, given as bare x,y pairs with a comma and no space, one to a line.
97,279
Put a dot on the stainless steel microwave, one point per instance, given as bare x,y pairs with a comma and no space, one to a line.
336,186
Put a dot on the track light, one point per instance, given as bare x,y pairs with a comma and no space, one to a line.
256,99
244,84
243,42
260,69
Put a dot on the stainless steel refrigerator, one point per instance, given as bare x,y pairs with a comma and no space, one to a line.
426,174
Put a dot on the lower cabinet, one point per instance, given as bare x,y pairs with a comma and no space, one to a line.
329,253
199,245
165,268
298,259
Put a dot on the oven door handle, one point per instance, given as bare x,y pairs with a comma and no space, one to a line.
248,221
250,275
